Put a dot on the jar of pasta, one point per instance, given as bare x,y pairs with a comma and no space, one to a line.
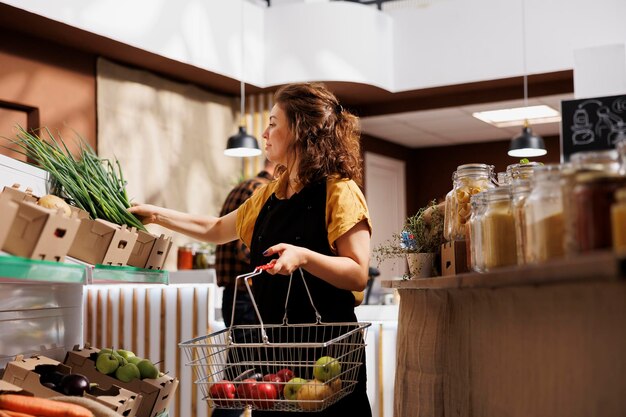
618,221
520,190
448,218
475,240
521,171
593,196
470,179
543,211
498,228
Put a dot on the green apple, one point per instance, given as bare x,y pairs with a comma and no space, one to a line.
120,359
292,387
105,350
127,373
326,368
107,363
125,353
147,369
134,359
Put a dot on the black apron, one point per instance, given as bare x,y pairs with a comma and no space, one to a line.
301,221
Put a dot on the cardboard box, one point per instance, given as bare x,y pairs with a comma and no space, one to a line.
150,251
8,388
454,258
8,210
40,233
156,393
102,242
21,373
13,193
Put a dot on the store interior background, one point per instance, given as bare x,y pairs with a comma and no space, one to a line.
413,71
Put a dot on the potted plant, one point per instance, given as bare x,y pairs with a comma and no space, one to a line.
420,241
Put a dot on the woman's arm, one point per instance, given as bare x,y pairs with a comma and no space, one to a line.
347,271
205,228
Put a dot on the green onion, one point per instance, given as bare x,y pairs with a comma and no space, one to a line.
89,182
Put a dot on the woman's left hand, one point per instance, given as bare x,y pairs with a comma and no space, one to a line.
290,258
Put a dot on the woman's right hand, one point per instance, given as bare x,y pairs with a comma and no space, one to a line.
147,213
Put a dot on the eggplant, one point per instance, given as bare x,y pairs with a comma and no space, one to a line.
74,384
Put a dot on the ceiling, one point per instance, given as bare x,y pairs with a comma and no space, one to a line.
454,125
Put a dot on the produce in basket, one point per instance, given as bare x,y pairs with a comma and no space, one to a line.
263,395
93,184
285,374
222,390
312,394
326,368
292,387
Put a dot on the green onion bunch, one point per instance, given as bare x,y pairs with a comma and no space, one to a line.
91,183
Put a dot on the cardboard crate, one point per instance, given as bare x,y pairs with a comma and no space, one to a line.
102,242
13,193
8,388
8,210
40,233
21,373
150,251
156,393
454,258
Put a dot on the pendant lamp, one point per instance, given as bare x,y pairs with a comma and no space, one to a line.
242,144
526,144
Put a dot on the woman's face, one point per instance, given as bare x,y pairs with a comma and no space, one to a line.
278,138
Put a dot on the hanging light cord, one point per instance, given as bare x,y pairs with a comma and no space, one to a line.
242,84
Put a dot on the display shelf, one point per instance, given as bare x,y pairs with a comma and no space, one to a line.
601,265
18,269
107,274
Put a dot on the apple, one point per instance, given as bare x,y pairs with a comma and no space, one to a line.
312,395
272,378
326,368
223,390
107,363
292,387
263,395
245,388
125,353
335,385
285,374
128,372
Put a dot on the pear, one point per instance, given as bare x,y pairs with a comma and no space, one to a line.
127,373
147,369
107,363
134,359
125,353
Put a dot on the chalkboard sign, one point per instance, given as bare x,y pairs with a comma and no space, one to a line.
592,124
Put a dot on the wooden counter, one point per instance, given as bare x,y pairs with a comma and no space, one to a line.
547,340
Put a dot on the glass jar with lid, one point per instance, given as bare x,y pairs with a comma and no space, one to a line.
470,179
604,161
543,211
521,171
620,146
593,196
498,228
475,240
618,221
520,190
448,217
503,178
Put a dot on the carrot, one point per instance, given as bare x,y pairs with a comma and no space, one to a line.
9,413
42,407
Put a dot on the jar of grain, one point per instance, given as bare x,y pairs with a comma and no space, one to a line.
520,190
475,241
543,212
470,179
498,228
448,217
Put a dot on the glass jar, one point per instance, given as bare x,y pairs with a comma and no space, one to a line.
498,227
620,146
618,221
448,217
475,242
470,179
593,195
185,257
543,211
201,259
522,171
605,161
520,190
503,178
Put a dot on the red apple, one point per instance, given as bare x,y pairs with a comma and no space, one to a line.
222,390
272,378
264,394
285,374
246,388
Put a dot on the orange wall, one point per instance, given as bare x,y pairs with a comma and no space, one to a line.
58,81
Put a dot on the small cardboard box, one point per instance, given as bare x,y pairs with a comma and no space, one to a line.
156,393
21,374
454,258
150,251
40,233
102,242
8,210
8,388
13,193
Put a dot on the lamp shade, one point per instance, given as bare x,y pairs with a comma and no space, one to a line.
242,145
527,144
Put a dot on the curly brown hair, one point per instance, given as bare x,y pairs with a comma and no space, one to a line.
327,136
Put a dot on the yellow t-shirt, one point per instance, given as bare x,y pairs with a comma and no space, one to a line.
345,207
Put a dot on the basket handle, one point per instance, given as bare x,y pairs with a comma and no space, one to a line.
257,271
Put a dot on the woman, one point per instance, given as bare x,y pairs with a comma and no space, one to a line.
313,217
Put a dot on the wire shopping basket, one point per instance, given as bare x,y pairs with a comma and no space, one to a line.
278,367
